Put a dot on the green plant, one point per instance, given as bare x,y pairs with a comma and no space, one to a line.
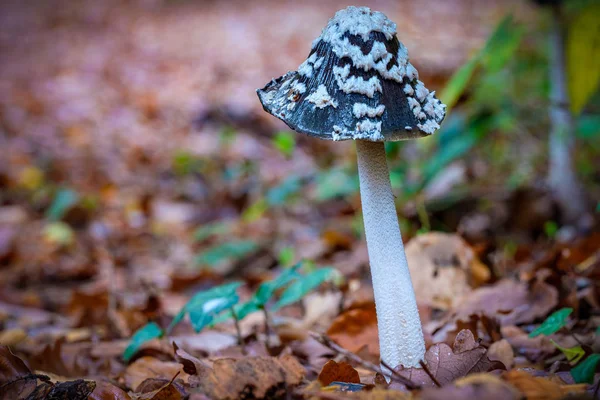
584,367
221,303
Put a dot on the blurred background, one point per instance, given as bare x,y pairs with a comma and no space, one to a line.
136,159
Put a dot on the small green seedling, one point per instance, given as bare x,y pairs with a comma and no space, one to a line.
205,306
553,323
584,371
144,334
220,303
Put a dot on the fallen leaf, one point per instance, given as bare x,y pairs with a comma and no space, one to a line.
476,386
443,267
536,388
534,349
502,351
510,302
447,364
73,390
107,391
338,372
16,379
191,364
159,389
251,377
355,329
150,367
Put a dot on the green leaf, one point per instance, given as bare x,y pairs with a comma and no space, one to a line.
228,251
206,305
285,142
583,56
144,334
458,82
573,354
279,195
266,290
63,201
499,48
302,286
335,183
585,371
502,44
286,256
201,316
553,323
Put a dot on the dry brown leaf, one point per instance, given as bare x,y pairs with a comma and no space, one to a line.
12,337
355,329
253,377
502,351
535,388
443,267
338,372
11,369
159,389
107,391
534,349
191,364
510,302
150,367
447,364
476,386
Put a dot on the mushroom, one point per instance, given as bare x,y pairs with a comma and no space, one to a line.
358,83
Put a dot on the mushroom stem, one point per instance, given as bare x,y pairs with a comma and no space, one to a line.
400,335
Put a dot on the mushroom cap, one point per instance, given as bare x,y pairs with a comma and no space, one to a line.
356,83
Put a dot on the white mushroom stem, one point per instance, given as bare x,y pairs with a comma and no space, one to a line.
400,335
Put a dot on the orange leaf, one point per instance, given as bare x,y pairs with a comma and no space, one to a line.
334,372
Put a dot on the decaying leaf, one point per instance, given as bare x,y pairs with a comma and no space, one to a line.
510,302
443,267
251,377
159,389
74,390
191,365
536,388
448,364
355,329
476,386
149,367
338,372
16,379
534,349
502,351
107,391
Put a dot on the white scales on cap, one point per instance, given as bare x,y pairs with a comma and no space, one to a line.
357,83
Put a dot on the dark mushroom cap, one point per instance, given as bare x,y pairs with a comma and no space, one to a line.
357,83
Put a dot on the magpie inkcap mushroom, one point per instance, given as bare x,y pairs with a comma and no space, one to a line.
357,83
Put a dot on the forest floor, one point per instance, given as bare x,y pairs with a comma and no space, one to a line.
137,168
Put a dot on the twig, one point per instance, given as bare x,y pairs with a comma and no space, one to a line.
429,374
324,340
